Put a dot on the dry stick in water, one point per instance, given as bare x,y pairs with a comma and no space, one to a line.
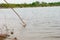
24,24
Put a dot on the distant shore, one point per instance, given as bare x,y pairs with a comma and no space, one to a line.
31,7
33,4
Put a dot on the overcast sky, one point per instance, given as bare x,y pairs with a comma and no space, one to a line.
27,1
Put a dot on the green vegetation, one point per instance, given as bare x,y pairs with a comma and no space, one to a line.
34,4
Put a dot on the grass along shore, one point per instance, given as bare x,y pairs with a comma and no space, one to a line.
33,4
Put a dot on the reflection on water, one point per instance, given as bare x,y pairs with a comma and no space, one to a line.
42,23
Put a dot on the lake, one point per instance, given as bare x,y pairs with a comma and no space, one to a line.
43,23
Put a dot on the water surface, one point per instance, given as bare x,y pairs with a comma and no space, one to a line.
43,23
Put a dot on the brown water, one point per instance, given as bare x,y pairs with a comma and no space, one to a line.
43,23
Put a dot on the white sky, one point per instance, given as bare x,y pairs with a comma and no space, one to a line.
27,1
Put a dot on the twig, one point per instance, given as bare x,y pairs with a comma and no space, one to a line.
24,24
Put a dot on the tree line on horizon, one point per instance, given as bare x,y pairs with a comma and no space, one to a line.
33,4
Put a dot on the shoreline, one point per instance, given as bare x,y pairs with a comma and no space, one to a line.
32,7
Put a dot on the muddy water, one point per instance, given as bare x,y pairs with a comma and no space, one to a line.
43,23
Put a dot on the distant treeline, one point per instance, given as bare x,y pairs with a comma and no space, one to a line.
33,4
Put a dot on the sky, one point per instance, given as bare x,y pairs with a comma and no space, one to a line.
28,1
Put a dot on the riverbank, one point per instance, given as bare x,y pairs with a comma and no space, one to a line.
33,4
32,7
